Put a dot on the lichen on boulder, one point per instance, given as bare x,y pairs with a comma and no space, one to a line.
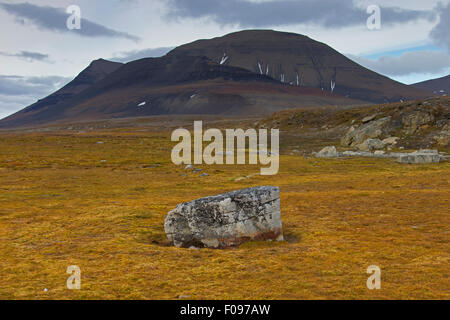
226,220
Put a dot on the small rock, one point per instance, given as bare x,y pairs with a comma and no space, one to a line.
369,118
327,152
391,141
151,166
351,153
189,167
204,175
426,151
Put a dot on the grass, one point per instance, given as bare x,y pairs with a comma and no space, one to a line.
61,205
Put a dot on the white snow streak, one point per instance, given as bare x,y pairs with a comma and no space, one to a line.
260,68
224,59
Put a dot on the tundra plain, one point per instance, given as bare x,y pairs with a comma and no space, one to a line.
96,195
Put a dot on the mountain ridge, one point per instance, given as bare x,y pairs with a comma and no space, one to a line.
438,86
234,74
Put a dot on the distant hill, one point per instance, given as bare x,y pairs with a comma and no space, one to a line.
439,86
244,73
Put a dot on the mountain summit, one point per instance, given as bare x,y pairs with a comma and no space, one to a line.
298,60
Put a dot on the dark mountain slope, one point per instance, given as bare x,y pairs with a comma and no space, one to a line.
440,86
95,72
297,59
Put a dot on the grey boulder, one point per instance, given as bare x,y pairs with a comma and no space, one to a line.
226,220
419,157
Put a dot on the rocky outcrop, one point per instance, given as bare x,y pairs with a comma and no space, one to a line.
443,138
371,144
413,121
226,220
371,130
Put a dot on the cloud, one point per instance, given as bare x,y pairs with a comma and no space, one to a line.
440,33
36,86
16,92
27,55
127,56
327,13
10,105
55,19
429,62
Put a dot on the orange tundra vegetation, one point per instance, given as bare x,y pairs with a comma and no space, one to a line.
66,199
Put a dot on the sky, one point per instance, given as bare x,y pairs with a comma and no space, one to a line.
39,53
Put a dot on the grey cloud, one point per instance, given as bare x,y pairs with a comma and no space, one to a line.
17,91
431,62
54,19
128,56
27,55
30,86
441,32
327,13
12,104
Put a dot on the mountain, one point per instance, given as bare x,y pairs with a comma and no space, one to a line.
440,86
95,72
244,73
297,59
173,84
